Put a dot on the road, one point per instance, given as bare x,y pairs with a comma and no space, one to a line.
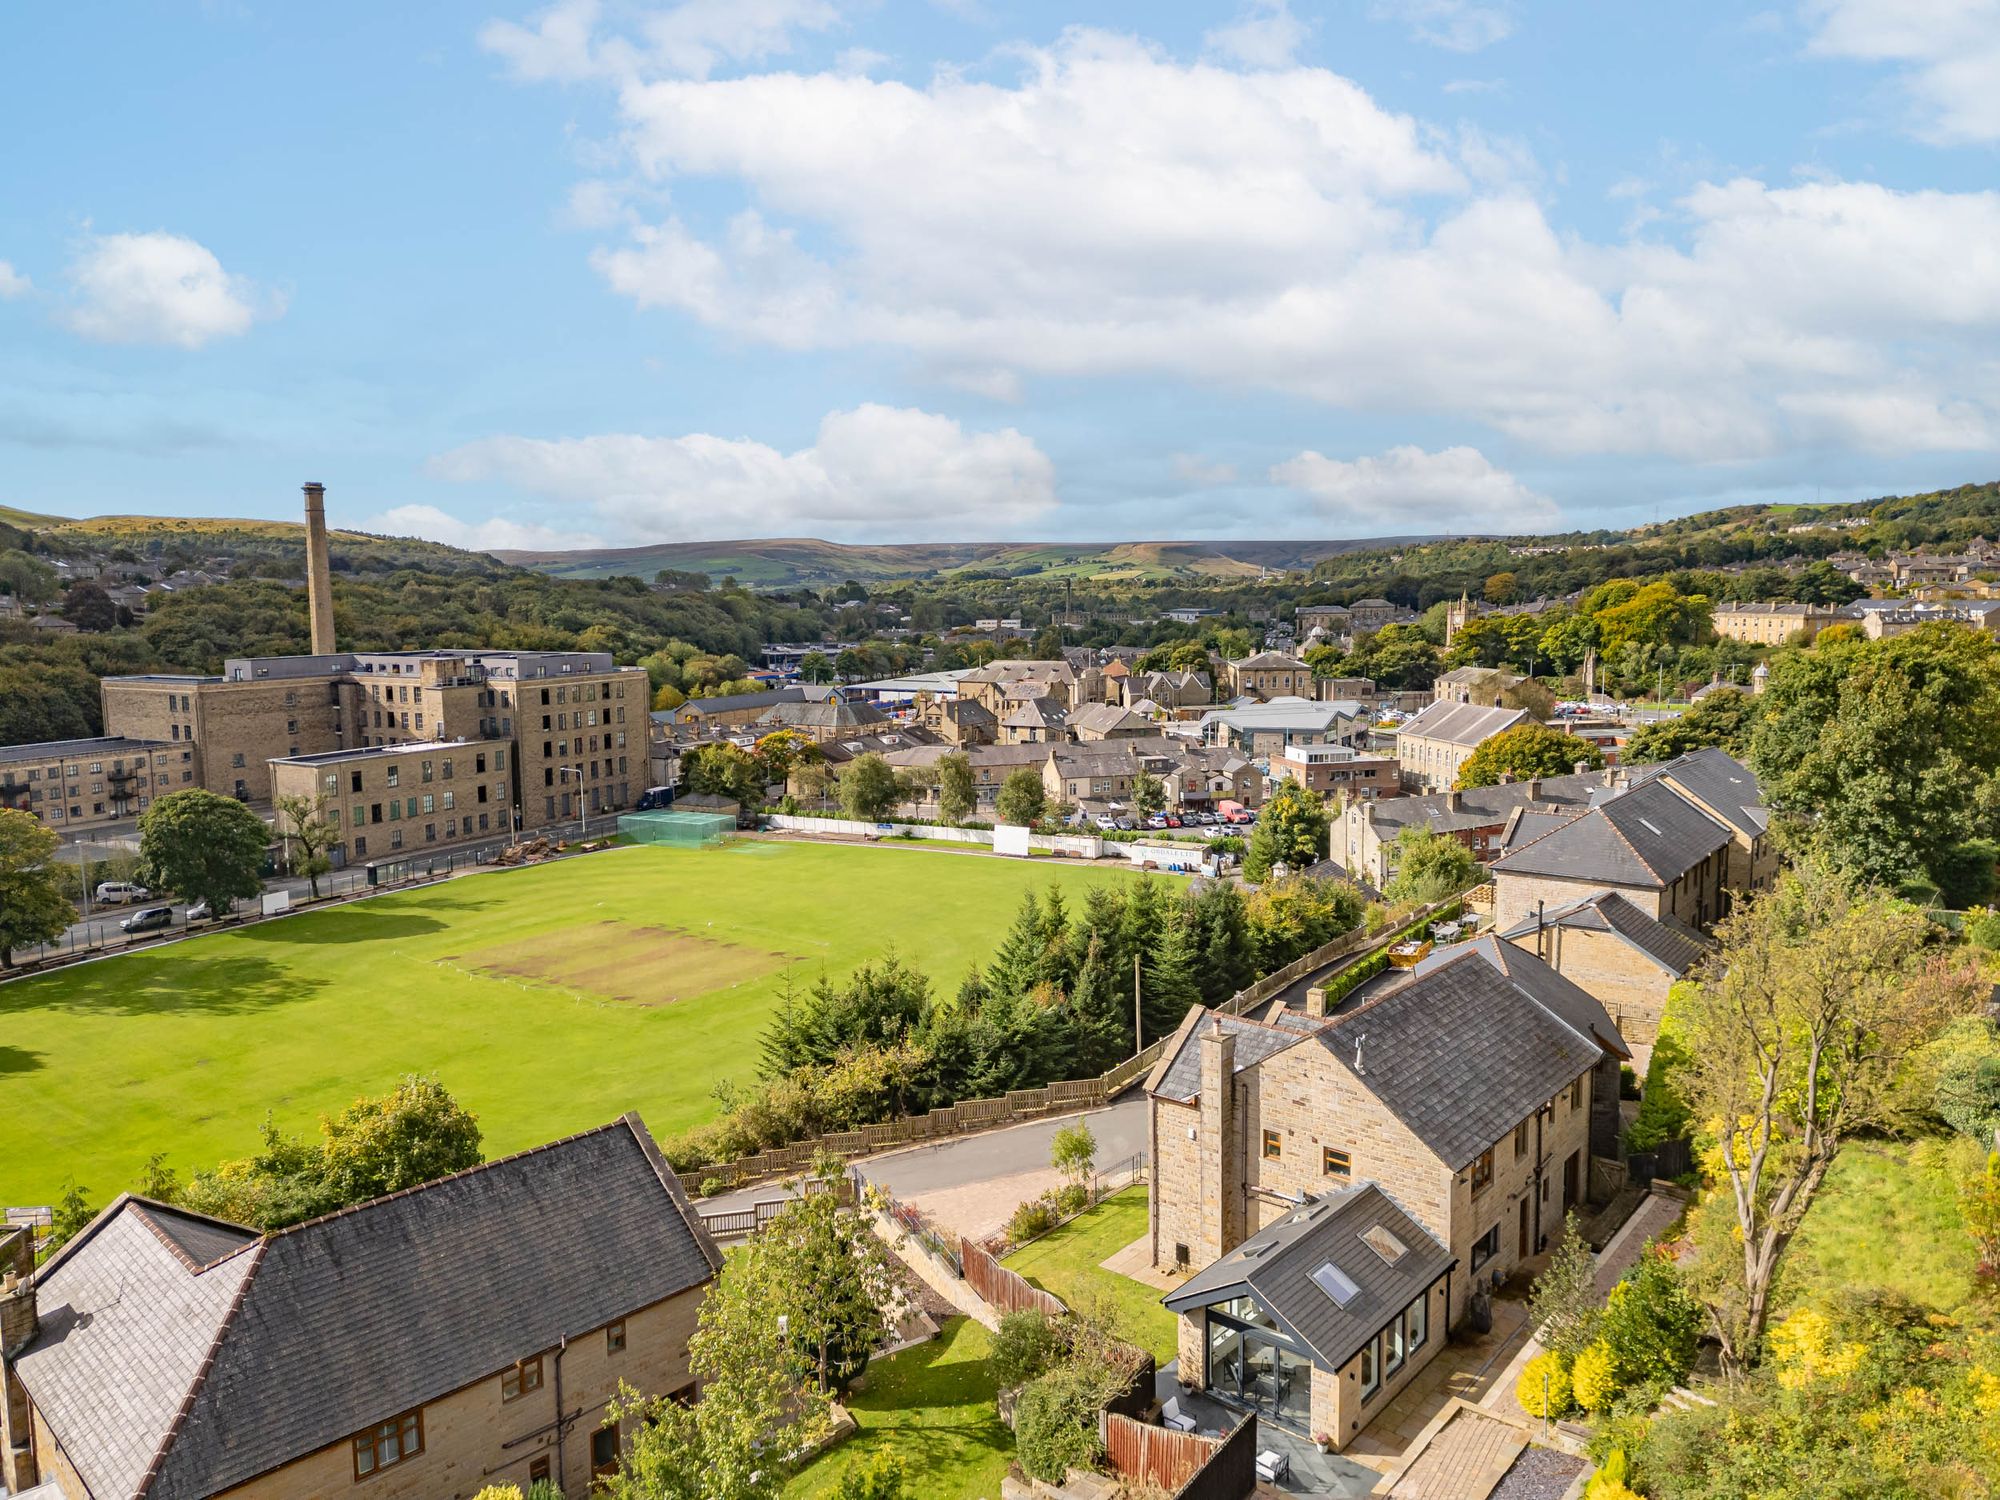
963,1161
101,928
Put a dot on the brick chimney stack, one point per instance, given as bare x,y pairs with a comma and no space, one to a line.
319,572
1221,1182
18,1324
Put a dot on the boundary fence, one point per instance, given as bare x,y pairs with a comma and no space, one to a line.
972,1116
1008,1291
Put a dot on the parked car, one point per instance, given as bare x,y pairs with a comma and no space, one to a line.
152,919
121,893
1173,820
1157,820
200,911
1126,825
1105,821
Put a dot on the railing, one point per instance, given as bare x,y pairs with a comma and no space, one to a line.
736,1223
917,1224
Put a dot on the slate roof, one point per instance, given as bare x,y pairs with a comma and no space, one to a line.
312,1334
1543,984
1178,1073
1107,718
1674,948
1466,1048
1275,1266
1482,806
1269,661
1460,723
125,1325
1648,836
1035,713
1722,784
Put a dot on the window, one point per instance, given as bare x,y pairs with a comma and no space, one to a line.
1371,1370
614,1338
1273,1147
1487,1247
236,761
1576,1094
395,775
424,770
1417,1323
1520,1140
538,1471
1392,1348
521,1379
392,1442
1336,1163
1482,1172
604,1451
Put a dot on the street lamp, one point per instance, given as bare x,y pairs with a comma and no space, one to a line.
582,797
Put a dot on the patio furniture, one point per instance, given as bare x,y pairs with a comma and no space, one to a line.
1273,1465
1172,1416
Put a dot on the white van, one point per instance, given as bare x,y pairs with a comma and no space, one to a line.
121,893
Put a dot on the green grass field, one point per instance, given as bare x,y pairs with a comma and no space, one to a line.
1068,1262
1887,1216
933,1407
548,1000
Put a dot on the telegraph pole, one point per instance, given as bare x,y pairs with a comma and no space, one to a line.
1138,1026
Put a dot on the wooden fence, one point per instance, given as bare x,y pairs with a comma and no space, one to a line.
970,1116
1186,1465
1006,1290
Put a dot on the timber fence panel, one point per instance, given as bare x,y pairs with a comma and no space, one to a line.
1007,1291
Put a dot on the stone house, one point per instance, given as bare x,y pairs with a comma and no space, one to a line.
1771,624
1657,846
1480,685
963,722
1365,834
1727,790
1269,674
1333,770
1179,691
428,1343
1104,721
1611,948
1033,721
1434,746
991,766
1469,1091
1334,620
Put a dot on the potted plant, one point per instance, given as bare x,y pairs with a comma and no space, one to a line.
1323,1442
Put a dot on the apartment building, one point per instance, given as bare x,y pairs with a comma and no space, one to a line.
235,725
1434,746
386,800
1772,624
74,786
1329,769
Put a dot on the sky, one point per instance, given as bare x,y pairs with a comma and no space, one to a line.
607,272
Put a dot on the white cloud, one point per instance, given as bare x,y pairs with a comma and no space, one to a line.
1949,51
899,470
1265,34
1455,25
1114,212
159,288
494,534
565,42
13,283
1409,490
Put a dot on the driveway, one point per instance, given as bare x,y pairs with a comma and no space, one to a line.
973,1182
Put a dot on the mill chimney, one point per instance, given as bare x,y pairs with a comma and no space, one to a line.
319,573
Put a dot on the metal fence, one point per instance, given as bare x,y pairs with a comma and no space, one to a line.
917,1224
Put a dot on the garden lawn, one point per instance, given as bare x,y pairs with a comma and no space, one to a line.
1066,1261
933,1407
548,1000
1887,1216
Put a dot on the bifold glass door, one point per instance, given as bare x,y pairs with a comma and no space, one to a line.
1258,1370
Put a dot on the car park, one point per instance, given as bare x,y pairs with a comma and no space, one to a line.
152,919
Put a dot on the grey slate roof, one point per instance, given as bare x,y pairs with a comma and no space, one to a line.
342,1322
1544,984
1466,1048
1648,836
1674,948
1178,1074
1722,784
125,1326
1275,1266
1482,806
1460,723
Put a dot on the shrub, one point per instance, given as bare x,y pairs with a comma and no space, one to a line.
1608,1483
1055,1423
1594,1378
1026,1346
1071,1198
1528,1388
1036,1216
1982,930
1651,1325
1663,1114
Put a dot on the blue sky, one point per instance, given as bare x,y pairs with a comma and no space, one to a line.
621,272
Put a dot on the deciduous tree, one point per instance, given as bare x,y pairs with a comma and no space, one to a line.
309,832
203,847
1022,797
958,796
868,790
1525,752
1291,831
33,908
1426,866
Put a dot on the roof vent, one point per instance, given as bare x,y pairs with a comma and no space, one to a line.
1336,1283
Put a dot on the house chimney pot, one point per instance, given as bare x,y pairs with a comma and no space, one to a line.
1534,788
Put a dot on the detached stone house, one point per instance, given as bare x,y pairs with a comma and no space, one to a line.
1611,948
1269,674
1468,1092
1477,685
464,1333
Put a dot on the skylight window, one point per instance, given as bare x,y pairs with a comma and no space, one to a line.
1656,832
1336,1283
1384,1244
